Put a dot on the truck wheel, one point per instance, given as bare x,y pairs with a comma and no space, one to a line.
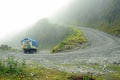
30,51
25,51
35,50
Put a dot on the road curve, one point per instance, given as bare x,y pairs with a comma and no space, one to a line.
103,49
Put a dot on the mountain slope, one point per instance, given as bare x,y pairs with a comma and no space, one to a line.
47,34
100,14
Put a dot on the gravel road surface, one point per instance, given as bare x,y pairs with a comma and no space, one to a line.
103,49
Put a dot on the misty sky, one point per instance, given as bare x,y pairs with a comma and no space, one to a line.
15,15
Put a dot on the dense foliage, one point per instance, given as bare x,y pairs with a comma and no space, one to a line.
74,38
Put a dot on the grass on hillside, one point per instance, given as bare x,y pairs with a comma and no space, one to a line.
111,30
73,39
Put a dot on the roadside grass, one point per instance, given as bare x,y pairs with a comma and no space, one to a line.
111,76
88,65
114,67
111,72
96,66
12,69
38,74
74,38
113,30
11,65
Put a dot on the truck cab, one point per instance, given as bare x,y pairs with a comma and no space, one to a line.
29,45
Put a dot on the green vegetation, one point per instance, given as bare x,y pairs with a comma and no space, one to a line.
111,76
73,39
46,33
104,16
5,47
110,72
109,19
11,65
49,34
81,77
11,69
113,30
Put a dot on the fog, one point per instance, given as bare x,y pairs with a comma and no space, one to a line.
46,33
20,17
16,15
82,11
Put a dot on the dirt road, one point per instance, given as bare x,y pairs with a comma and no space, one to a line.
103,49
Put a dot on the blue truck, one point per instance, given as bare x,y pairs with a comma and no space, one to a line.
29,45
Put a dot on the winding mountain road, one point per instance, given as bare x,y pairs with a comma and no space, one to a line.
103,49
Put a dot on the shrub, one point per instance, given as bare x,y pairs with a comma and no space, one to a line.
5,47
11,66
74,38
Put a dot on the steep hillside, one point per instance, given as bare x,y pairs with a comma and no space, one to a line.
111,20
100,14
74,39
